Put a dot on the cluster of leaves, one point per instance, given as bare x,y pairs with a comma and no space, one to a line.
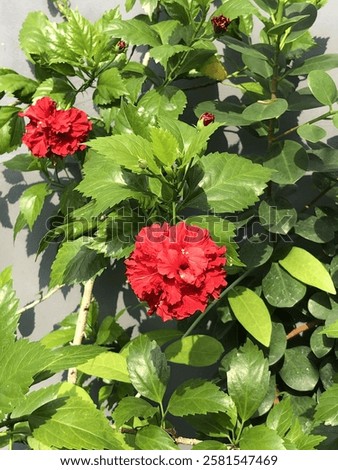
274,337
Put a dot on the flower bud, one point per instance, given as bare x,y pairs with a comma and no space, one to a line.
220,24
205,119
121,46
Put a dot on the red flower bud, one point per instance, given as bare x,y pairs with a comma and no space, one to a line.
122,45
206,119
220,24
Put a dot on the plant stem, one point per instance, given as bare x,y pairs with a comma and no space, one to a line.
304,327
41,299
214,302
81,323
312,121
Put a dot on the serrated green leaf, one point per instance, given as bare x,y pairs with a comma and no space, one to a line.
154,438
9,303
11,134
110,86
58,89
298,372
32,201
169,102
130,407
248,379
73,423
165,29
281,417
70,356
23,162
251,311
327,408
290,161
18,85
35,400
135,32
301,440
230,183
58,337
280,289
75,262
165,146
148,369
129,120
195,351
161,54
107,365
6,113
311,132
197,396
260,438
322,87
306,268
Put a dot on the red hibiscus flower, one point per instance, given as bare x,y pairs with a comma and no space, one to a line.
220,24
176,269
206,119
54,131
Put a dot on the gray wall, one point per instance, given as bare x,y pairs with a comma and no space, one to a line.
31,276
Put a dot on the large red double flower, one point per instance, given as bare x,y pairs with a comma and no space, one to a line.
176,269
54,131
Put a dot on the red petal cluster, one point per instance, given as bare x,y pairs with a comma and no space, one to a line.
54,131
207,118
176,269
220,24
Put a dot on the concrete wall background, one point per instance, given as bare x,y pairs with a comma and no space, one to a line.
31,276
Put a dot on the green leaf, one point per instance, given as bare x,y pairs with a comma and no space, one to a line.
210,445
107,365
319,343
278,343
281,27
327,408
255,252
21,87
306,268
165,146
148,369
230,183
163,336
260,438
6,113
302,26
298,372
301,440
277,216
197,396
154,438
322,87
58,337
132,407
169,102
316,229
23,162
70,356
252,313
268,109
129,151
149,6
135,32
195,351
248,379
161,54
73,423
129,120
242,47
290,161
75,263
319,305
229,114
311,132
35,400
9,303
280,289
321,62
331,331
281,417
11,134
110,86
58,89
32,201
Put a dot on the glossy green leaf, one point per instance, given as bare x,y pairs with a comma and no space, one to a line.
263,110
75,262
165,146
255,252
248,379
281,417
242,47
319,305
6,113
322,87
107,365
11,134
169,102
164,335
23,162
328,371
277,216
321,62
35,400
195,351
302,26
73,423
280,289
64,358
306,268
316,229
18,85
135,32
130,407
327,408
58,89
231,183
261,438
278,343
148,369
260,67
320,344
251,311
9,316
268,400
161,54
197,396
298,372
110,86
32,201
210,445
331,331
281,27
311,132
290,161
302,440
154,438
